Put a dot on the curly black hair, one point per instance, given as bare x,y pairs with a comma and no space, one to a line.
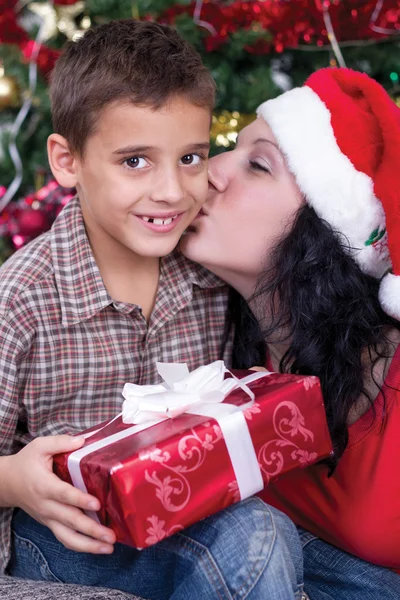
330,313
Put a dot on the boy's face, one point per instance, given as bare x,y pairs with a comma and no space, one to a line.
143,177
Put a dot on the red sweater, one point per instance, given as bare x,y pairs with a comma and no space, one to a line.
358,508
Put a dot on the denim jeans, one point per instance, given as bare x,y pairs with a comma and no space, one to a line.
248,551
331,574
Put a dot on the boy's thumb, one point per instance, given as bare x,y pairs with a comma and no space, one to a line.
56,444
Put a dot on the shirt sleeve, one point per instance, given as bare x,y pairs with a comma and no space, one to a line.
12,350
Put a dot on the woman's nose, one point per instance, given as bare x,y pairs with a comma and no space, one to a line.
217,172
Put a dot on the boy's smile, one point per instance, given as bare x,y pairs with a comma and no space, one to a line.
162,223
143,177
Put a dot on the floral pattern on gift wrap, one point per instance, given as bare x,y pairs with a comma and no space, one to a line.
288,423
252,410
174,490
309,382
233,489
304,457
157,530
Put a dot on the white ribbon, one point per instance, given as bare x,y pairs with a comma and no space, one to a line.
200,392
181,392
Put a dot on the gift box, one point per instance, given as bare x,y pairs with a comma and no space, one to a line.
185,449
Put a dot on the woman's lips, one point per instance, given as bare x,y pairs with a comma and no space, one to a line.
201,213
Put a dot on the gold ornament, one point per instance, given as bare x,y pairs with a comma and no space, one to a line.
9,91
66,20
47,14
61,19
226,126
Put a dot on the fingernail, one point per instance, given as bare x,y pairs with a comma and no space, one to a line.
105,549
93,505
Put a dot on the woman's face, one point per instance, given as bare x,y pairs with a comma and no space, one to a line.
252,201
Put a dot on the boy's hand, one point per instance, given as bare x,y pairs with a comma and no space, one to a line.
38,491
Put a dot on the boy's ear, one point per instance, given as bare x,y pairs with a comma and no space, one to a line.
62,162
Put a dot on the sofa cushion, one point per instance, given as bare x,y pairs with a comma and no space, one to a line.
21,589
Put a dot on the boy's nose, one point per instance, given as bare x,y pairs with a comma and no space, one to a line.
168,189
217,175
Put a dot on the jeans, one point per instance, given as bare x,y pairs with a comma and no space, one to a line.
248,551
331,574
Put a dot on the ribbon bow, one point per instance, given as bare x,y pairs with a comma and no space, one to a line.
184,392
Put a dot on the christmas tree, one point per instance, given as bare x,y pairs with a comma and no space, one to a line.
255,50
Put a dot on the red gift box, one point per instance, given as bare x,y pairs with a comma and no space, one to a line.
159,480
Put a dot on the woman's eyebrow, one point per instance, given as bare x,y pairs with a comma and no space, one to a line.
266,140
277,151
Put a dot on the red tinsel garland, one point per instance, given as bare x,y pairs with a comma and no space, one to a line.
291,23
28,217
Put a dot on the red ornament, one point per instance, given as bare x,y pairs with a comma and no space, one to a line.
46,58
10,31
32,222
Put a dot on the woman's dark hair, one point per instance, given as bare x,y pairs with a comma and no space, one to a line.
329,310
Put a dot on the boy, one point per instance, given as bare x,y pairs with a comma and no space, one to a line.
96,301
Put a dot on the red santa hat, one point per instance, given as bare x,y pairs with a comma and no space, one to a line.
340,134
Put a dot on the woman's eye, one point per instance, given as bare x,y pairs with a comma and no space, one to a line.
256,166
191,159
136,162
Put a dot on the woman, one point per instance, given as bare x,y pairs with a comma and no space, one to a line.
303,221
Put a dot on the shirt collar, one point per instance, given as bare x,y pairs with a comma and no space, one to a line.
80,286
182,272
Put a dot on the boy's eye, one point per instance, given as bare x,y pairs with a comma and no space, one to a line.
136,162
191,159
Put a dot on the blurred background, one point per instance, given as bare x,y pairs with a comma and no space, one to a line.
255,50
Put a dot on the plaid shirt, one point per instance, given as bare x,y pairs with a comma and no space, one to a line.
67,348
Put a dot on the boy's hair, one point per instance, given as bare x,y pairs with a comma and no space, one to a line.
142,62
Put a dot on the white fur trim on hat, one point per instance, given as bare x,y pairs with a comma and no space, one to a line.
343,196
389,295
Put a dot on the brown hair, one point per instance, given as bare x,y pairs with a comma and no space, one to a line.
142,62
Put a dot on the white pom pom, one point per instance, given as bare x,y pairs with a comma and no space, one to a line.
389,295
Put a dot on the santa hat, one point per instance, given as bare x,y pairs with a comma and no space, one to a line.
340,134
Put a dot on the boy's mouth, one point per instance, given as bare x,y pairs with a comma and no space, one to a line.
159,220
160,223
